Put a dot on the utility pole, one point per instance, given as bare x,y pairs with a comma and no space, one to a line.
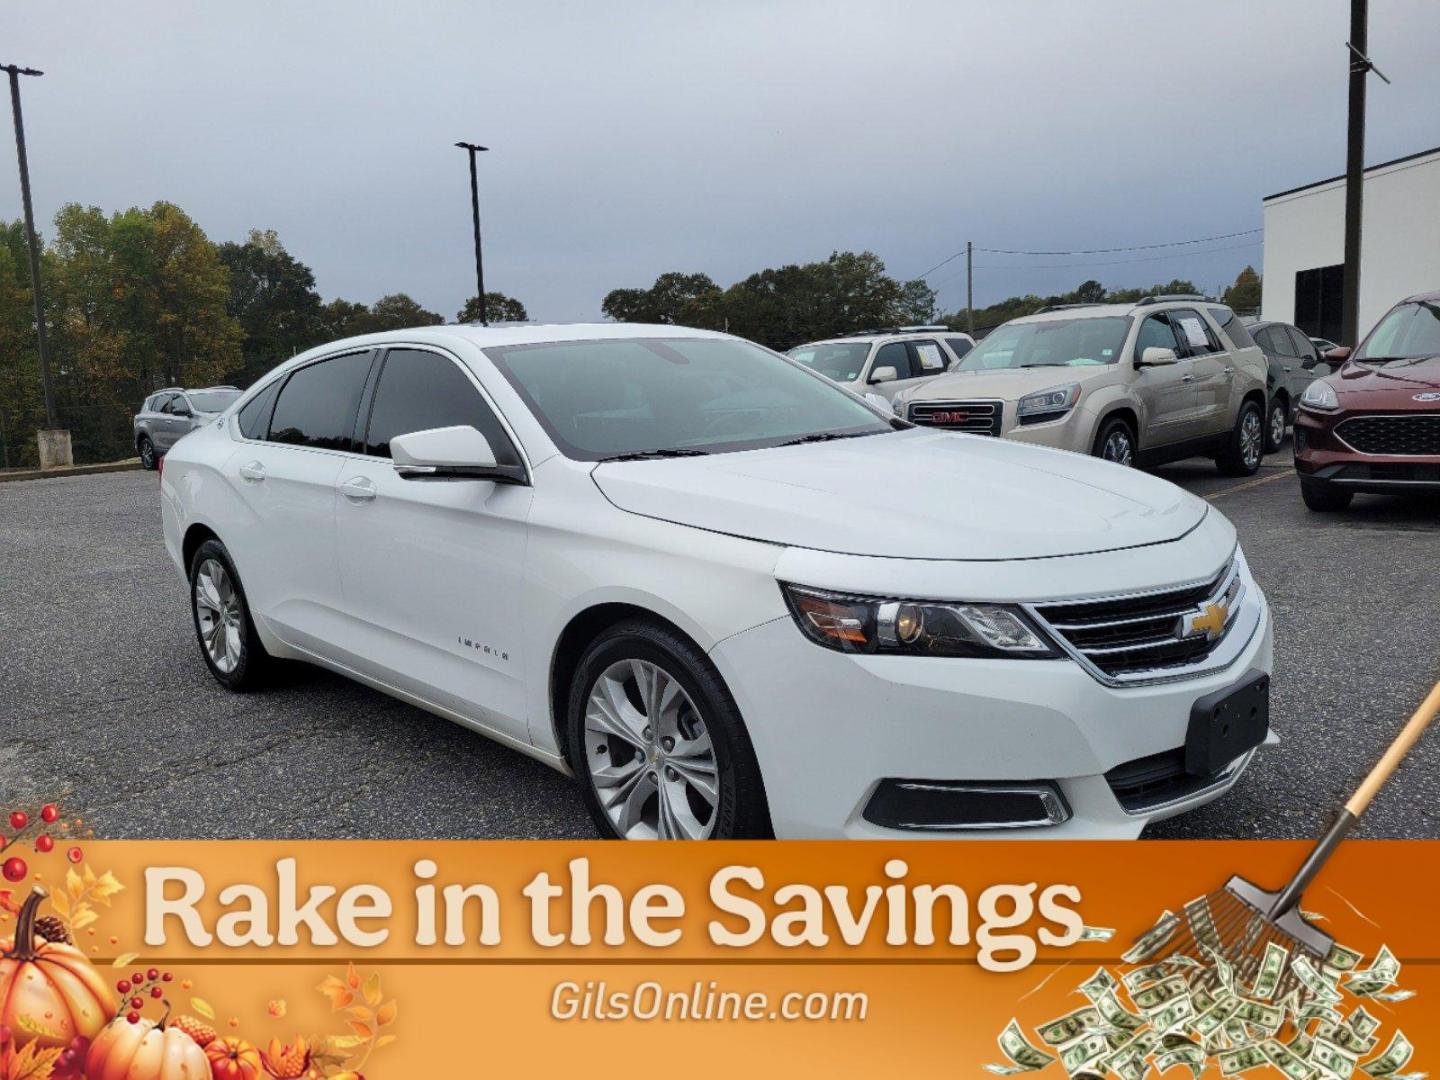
1357,52
969,288
475,208
15,71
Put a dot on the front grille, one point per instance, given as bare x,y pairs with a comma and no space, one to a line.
1416,435
976,417
1134,635
1153,781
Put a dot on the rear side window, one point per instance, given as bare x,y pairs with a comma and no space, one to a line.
254,418
895,355
1192,329
317,404
959,346
421,390
927,357
1233,328
163,402
1304,348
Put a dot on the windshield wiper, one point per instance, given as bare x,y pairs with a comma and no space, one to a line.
826,436
1048,363
651,455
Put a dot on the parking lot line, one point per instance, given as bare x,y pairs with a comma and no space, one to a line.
1249,484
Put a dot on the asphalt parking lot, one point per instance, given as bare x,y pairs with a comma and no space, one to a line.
106,704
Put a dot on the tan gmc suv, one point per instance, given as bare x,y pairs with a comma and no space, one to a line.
1166,378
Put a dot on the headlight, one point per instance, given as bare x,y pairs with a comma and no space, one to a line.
1320,395
860,624
1048,404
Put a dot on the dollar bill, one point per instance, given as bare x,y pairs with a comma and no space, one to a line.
1319,987
1202,923
1213,1019
1287,1061
1342,959
1102,982
1153,940
1192,1057
1157,996
1173,1015
1302,1044
1023,1057
1380,975
1267,1017
1115,1014
1141,976
1272,966
1069,1027
1346,1038
1396,1056
1361,1022
1392,996
1334,1060
1096,933
1241,1060
1223,971
1083,1052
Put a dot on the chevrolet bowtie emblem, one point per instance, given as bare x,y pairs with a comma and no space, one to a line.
1209,620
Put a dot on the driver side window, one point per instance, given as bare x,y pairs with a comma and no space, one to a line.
420,390
893,354
1156,333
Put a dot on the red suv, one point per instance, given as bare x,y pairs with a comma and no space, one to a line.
1374,425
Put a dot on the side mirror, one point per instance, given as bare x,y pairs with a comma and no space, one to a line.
881,402
181,410
1339,353
1158,356
450,453
1309,362
884,374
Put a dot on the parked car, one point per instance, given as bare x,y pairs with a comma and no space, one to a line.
168,414
1374,426
1323,345
1166,378
886,362
726,613
1294,364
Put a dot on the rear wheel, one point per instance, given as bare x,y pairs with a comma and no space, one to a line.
1245,448
657,741
148,458
1115,442
1322,497
1275,425
223,627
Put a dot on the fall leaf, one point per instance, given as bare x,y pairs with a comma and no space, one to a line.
386,1013
336,1044
74,885
105,887
365,1031
352,977
35,1027
339,994
372,990
384,1040
277,1008
33,1063
203,1007
124,959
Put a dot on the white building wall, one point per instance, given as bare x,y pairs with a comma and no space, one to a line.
1401,238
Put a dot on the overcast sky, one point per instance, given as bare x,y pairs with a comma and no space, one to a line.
630,138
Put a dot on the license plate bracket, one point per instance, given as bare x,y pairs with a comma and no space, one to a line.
1228,723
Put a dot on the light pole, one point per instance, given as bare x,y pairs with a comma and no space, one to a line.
15,71
1360,67
475,208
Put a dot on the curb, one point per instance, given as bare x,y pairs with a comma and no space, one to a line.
73,470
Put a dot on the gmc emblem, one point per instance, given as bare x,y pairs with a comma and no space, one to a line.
949,416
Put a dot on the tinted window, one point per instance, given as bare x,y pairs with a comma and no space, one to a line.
928,357
162,402
1192,329
1155,333
255,416
422,390
1407,331
895,355
1304,347
213,400
1232,326
318,403
959,345
839,360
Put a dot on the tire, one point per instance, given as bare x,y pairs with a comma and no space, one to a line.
699,744
148,458
1324,498
1116,442
237,658
1276,419
1245,449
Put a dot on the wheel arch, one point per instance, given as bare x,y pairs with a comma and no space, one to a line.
1122,411
195,535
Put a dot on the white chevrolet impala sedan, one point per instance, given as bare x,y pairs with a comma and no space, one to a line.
728,596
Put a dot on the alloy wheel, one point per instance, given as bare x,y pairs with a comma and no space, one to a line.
221,618
649,754
1118,447
1277,425
147,454
1252,439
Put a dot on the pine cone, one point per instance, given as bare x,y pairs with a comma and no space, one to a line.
52,929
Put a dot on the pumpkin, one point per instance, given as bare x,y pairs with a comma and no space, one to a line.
49,993
145,1050
233,1059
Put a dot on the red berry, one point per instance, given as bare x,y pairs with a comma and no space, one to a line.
19,819
137,1003
156,992
123,986
75,854
49,813
152,974
44,844
138,978
166,977
133,1017
15,869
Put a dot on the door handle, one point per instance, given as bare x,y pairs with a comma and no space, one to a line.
1229,371
1287,367
1187,377
360,489
253,471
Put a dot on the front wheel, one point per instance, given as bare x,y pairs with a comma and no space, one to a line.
1115,442
1246,446
223,627
148,457
1275,426
657,741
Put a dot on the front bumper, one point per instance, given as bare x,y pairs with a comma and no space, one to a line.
1321,455
830,728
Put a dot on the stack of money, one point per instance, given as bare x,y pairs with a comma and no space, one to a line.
1197,1012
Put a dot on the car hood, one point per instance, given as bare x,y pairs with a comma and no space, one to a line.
1398,379
1006,384
911,494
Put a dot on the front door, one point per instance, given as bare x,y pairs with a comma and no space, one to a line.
431,569
1166,390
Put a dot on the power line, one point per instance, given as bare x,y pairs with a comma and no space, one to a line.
1111,262
1096,251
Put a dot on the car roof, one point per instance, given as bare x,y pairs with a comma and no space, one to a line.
883,335
1101,311
1423,298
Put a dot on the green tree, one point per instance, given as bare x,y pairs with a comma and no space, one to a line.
1244,295
498,308
674,299
273,298
917,303
398,312
344,318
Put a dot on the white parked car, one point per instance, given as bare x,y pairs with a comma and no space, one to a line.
727,595
886,362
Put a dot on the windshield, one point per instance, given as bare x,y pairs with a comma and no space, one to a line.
602,399
839,360
1051,343
1408,332
212,400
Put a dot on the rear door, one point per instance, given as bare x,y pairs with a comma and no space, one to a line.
1166,391
1212,371
1305,369
164,424
928,360
893,354
293,444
